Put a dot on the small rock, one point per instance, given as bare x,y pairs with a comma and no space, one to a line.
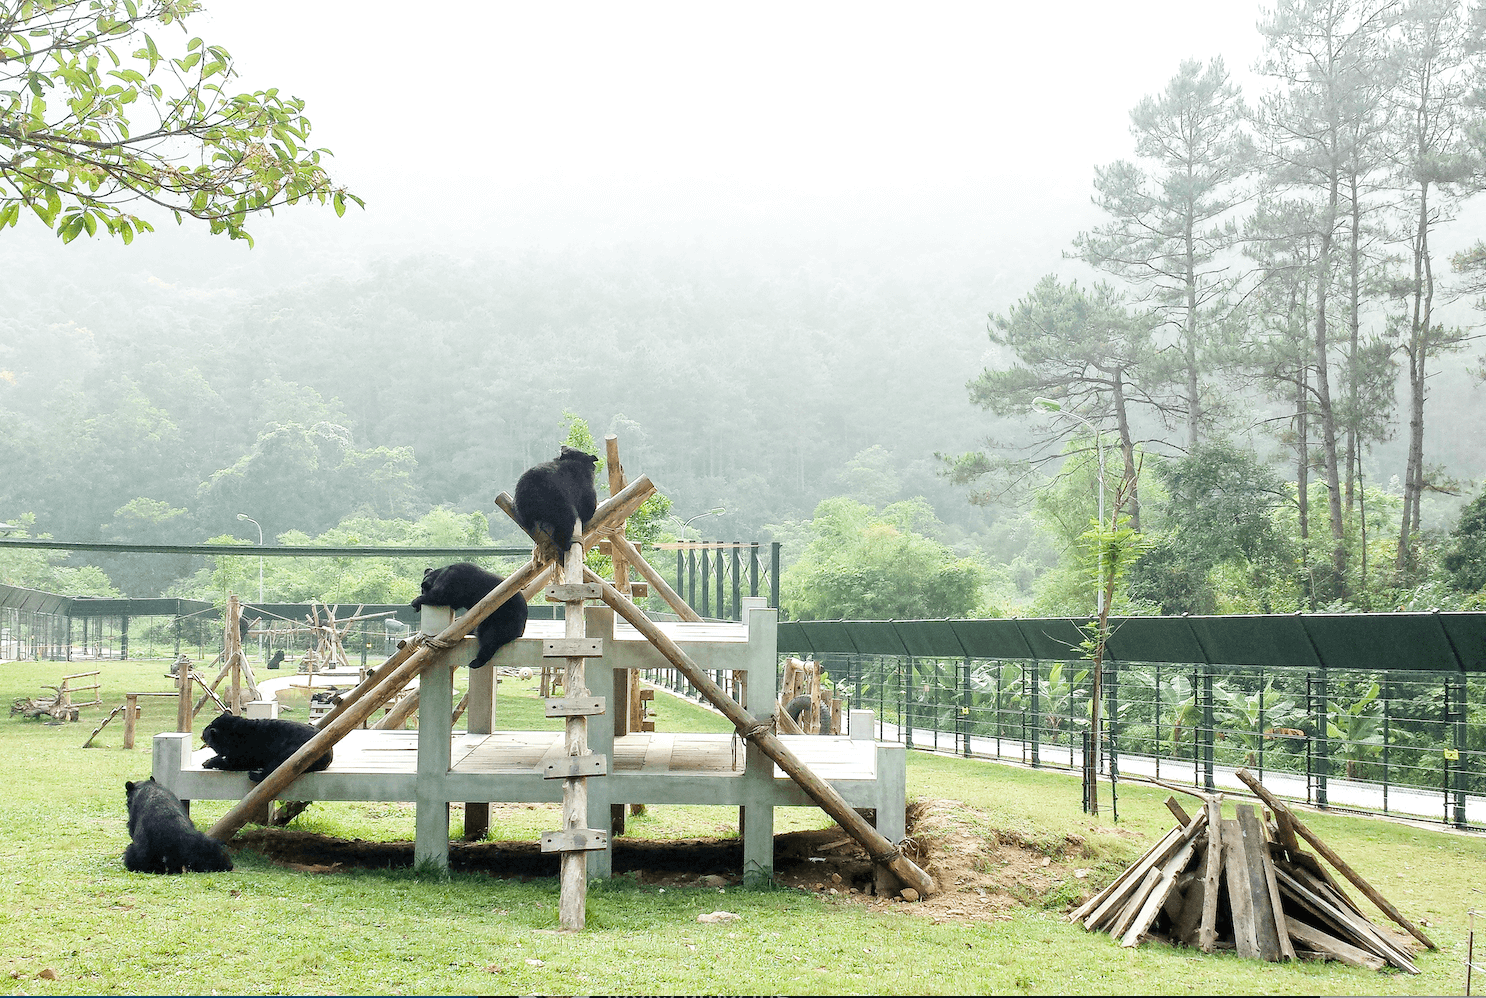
1046,860
535,963
1080,874
909,894
48,974
835,878
718,916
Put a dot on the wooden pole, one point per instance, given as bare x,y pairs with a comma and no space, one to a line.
131,718
573,890
658,585
1371,893
230,647
882,851
183,712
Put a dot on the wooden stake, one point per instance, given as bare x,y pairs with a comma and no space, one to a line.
1371,893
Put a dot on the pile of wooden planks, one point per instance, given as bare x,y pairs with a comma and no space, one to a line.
1244,884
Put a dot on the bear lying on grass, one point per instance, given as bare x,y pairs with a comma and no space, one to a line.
553,494
257,744
461,586
163,838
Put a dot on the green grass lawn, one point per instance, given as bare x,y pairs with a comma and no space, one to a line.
71,908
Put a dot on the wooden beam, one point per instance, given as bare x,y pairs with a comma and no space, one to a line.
1368,890
881,851
357,706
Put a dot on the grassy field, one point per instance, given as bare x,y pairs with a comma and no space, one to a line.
72,911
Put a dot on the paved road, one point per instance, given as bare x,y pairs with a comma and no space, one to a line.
1342,793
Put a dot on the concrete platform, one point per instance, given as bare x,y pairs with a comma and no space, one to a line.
436,765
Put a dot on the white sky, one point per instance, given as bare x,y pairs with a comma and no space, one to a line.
631,119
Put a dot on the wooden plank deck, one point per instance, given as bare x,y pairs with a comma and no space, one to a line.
529,752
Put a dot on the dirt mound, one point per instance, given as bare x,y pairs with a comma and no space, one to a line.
982,872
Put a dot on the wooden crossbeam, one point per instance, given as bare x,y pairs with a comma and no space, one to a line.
882,851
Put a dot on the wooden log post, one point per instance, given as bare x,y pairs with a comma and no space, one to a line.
882,852
230,650
183,713
1368,890
573,892
131,718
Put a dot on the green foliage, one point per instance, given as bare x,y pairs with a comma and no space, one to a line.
1220,503
44,570
311,476
861,564
1465,556
342,580
97,117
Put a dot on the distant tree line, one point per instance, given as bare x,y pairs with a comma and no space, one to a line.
1274,267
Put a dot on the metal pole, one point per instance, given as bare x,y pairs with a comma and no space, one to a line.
1323,763
737,580
774,574
1207,725
706,586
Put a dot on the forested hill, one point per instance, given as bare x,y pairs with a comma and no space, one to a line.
736,378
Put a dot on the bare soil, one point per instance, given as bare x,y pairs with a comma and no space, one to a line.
982,873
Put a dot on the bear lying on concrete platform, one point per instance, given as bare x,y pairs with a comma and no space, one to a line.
257,744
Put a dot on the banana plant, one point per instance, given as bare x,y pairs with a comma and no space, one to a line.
1239,718
1359,727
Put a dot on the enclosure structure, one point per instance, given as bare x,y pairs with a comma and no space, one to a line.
1380,712
437,765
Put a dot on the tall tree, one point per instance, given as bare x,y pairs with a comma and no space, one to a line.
1318,52
95,120
1168,226
1082,349
1434,169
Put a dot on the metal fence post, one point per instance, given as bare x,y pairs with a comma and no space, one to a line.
737,580
706,586
907,712
1208,725
1458,738
1036,713
1323,746
969,717
774,574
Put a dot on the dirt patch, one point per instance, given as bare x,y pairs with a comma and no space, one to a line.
983,873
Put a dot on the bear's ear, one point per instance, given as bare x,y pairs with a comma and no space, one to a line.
429,571
129,786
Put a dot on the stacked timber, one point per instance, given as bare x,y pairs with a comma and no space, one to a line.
1245,884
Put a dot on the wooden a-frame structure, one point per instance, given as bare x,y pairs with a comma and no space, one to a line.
574,584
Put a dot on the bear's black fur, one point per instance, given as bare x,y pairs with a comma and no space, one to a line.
257,744
461,586
553,494
163,838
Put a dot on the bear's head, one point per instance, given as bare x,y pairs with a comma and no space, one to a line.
576,455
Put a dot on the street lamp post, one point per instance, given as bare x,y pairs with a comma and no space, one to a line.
715,511
244,516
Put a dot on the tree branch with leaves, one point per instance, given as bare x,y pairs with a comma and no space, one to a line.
98,122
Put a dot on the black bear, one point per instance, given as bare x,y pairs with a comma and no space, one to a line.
257,744
163,840
461,586
553,494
